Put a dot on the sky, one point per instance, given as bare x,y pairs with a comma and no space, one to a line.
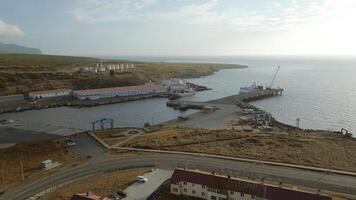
181,27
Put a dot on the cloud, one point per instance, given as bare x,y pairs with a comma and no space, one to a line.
8,30
93,11
214,14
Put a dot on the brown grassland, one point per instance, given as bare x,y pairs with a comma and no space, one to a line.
318,150
23,73
102,184
31,154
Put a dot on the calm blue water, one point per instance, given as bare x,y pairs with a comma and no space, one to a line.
130,114
321,91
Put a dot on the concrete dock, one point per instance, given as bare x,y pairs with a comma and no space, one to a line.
240,100
227,110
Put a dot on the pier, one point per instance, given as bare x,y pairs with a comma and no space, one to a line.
241,100
223,113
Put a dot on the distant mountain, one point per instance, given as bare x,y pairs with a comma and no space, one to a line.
13,48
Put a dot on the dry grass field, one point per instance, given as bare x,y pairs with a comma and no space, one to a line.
31,154
319,150
102,184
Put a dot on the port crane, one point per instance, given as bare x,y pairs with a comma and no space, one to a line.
274,77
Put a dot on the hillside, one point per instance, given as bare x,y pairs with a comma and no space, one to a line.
40,62
20,73
14,48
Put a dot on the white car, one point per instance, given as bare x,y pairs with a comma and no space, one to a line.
70,143
141,179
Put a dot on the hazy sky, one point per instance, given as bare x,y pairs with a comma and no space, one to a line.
181,27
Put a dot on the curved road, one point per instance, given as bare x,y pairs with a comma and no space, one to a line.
332,182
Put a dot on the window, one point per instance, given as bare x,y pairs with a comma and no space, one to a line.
221,192
185,190
211,190
213,197
232,192
193,184
203,194
222,198
175,190
242,194
252,196
193,191
203,186
184,183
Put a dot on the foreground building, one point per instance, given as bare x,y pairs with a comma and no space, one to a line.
94,94
216,187
88,196
49,93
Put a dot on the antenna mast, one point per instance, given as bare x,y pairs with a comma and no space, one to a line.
274,77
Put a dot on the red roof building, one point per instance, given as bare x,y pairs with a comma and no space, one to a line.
49,93
88,196
93,94
217,187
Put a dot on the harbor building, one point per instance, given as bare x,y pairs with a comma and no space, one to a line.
104,67
94,94
49,93
174,84
210,186
177,86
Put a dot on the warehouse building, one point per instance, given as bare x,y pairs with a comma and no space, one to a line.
94,94
211,186
49,93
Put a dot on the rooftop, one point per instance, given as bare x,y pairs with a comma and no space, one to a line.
50,91
88,196
245,186
117,89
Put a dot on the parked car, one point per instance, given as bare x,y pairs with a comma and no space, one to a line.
70,143
141,179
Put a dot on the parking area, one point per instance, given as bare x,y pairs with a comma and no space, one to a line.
140,191
87,146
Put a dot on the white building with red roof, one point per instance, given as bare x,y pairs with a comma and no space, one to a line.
88,196
211,186
49,93
94,94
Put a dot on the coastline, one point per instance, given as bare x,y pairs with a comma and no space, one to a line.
71,102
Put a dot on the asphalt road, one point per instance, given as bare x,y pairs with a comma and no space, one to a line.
87,146
332,182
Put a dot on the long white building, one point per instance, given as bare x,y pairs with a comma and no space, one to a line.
211,186
94,94
49,93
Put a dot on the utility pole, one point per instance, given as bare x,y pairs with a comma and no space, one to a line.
49,180
22,173
298,122
3,181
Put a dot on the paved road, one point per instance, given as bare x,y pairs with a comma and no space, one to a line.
87,146
332,182
140,191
